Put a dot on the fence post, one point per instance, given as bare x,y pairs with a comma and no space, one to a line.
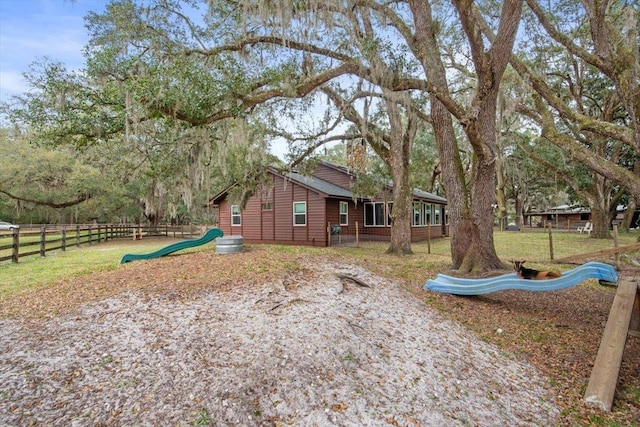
89,235
43,238
550,243
15,250
328,234
615,245
64,238
77,235
357,235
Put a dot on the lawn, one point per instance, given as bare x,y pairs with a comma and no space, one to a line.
34,271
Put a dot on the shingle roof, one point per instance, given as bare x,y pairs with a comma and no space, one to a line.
320,185
426,195
332,190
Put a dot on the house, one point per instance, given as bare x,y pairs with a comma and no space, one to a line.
314,210
560,217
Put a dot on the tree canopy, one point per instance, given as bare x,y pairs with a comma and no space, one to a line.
188,87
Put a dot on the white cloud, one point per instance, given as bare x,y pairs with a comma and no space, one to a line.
11,83
34,29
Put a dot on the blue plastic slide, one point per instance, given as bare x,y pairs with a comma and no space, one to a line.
210,235
459,286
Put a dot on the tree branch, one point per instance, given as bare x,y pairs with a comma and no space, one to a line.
81,198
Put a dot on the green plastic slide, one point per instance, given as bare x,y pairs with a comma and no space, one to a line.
210,235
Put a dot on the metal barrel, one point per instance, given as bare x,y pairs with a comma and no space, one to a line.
229,244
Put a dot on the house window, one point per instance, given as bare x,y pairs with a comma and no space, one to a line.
266,197
300,213
427,214
344,213
374,214
236,219
436,215
418,211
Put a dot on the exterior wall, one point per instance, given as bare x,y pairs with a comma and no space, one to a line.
334,176
277,225
355,215
224,220
422,233
284,195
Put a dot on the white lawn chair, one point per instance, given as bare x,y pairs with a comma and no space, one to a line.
588,228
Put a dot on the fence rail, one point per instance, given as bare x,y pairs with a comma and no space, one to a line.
29,241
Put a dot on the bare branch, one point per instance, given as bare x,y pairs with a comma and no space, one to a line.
81,198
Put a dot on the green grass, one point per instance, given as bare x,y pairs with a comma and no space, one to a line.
35,271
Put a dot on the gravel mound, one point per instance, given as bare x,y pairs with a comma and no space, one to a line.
340,347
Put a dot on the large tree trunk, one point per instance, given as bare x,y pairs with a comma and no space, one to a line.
470,212
394,149
600,208
481,133
501,198
403,128
401,215
464,235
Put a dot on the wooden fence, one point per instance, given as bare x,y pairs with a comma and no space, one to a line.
30,241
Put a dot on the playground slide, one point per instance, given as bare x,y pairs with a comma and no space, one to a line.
210,235
458,286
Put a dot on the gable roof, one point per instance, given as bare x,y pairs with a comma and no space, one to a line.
311,182
417,193
319,185
326,188
429,196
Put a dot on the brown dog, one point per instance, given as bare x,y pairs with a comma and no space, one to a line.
531,274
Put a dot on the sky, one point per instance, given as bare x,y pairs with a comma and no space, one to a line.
34,29
31,30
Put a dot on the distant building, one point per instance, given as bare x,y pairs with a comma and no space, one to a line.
563,217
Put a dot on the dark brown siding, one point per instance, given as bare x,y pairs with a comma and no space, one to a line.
267,217
355,215
225,220
420,234
283,209
276,225
334,176
267,225
251,216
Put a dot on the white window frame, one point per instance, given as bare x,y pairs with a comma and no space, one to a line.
417,217
296,214
428,213
372,206
344,216
437,214
235,215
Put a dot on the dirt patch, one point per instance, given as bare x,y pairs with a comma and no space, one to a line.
312,347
